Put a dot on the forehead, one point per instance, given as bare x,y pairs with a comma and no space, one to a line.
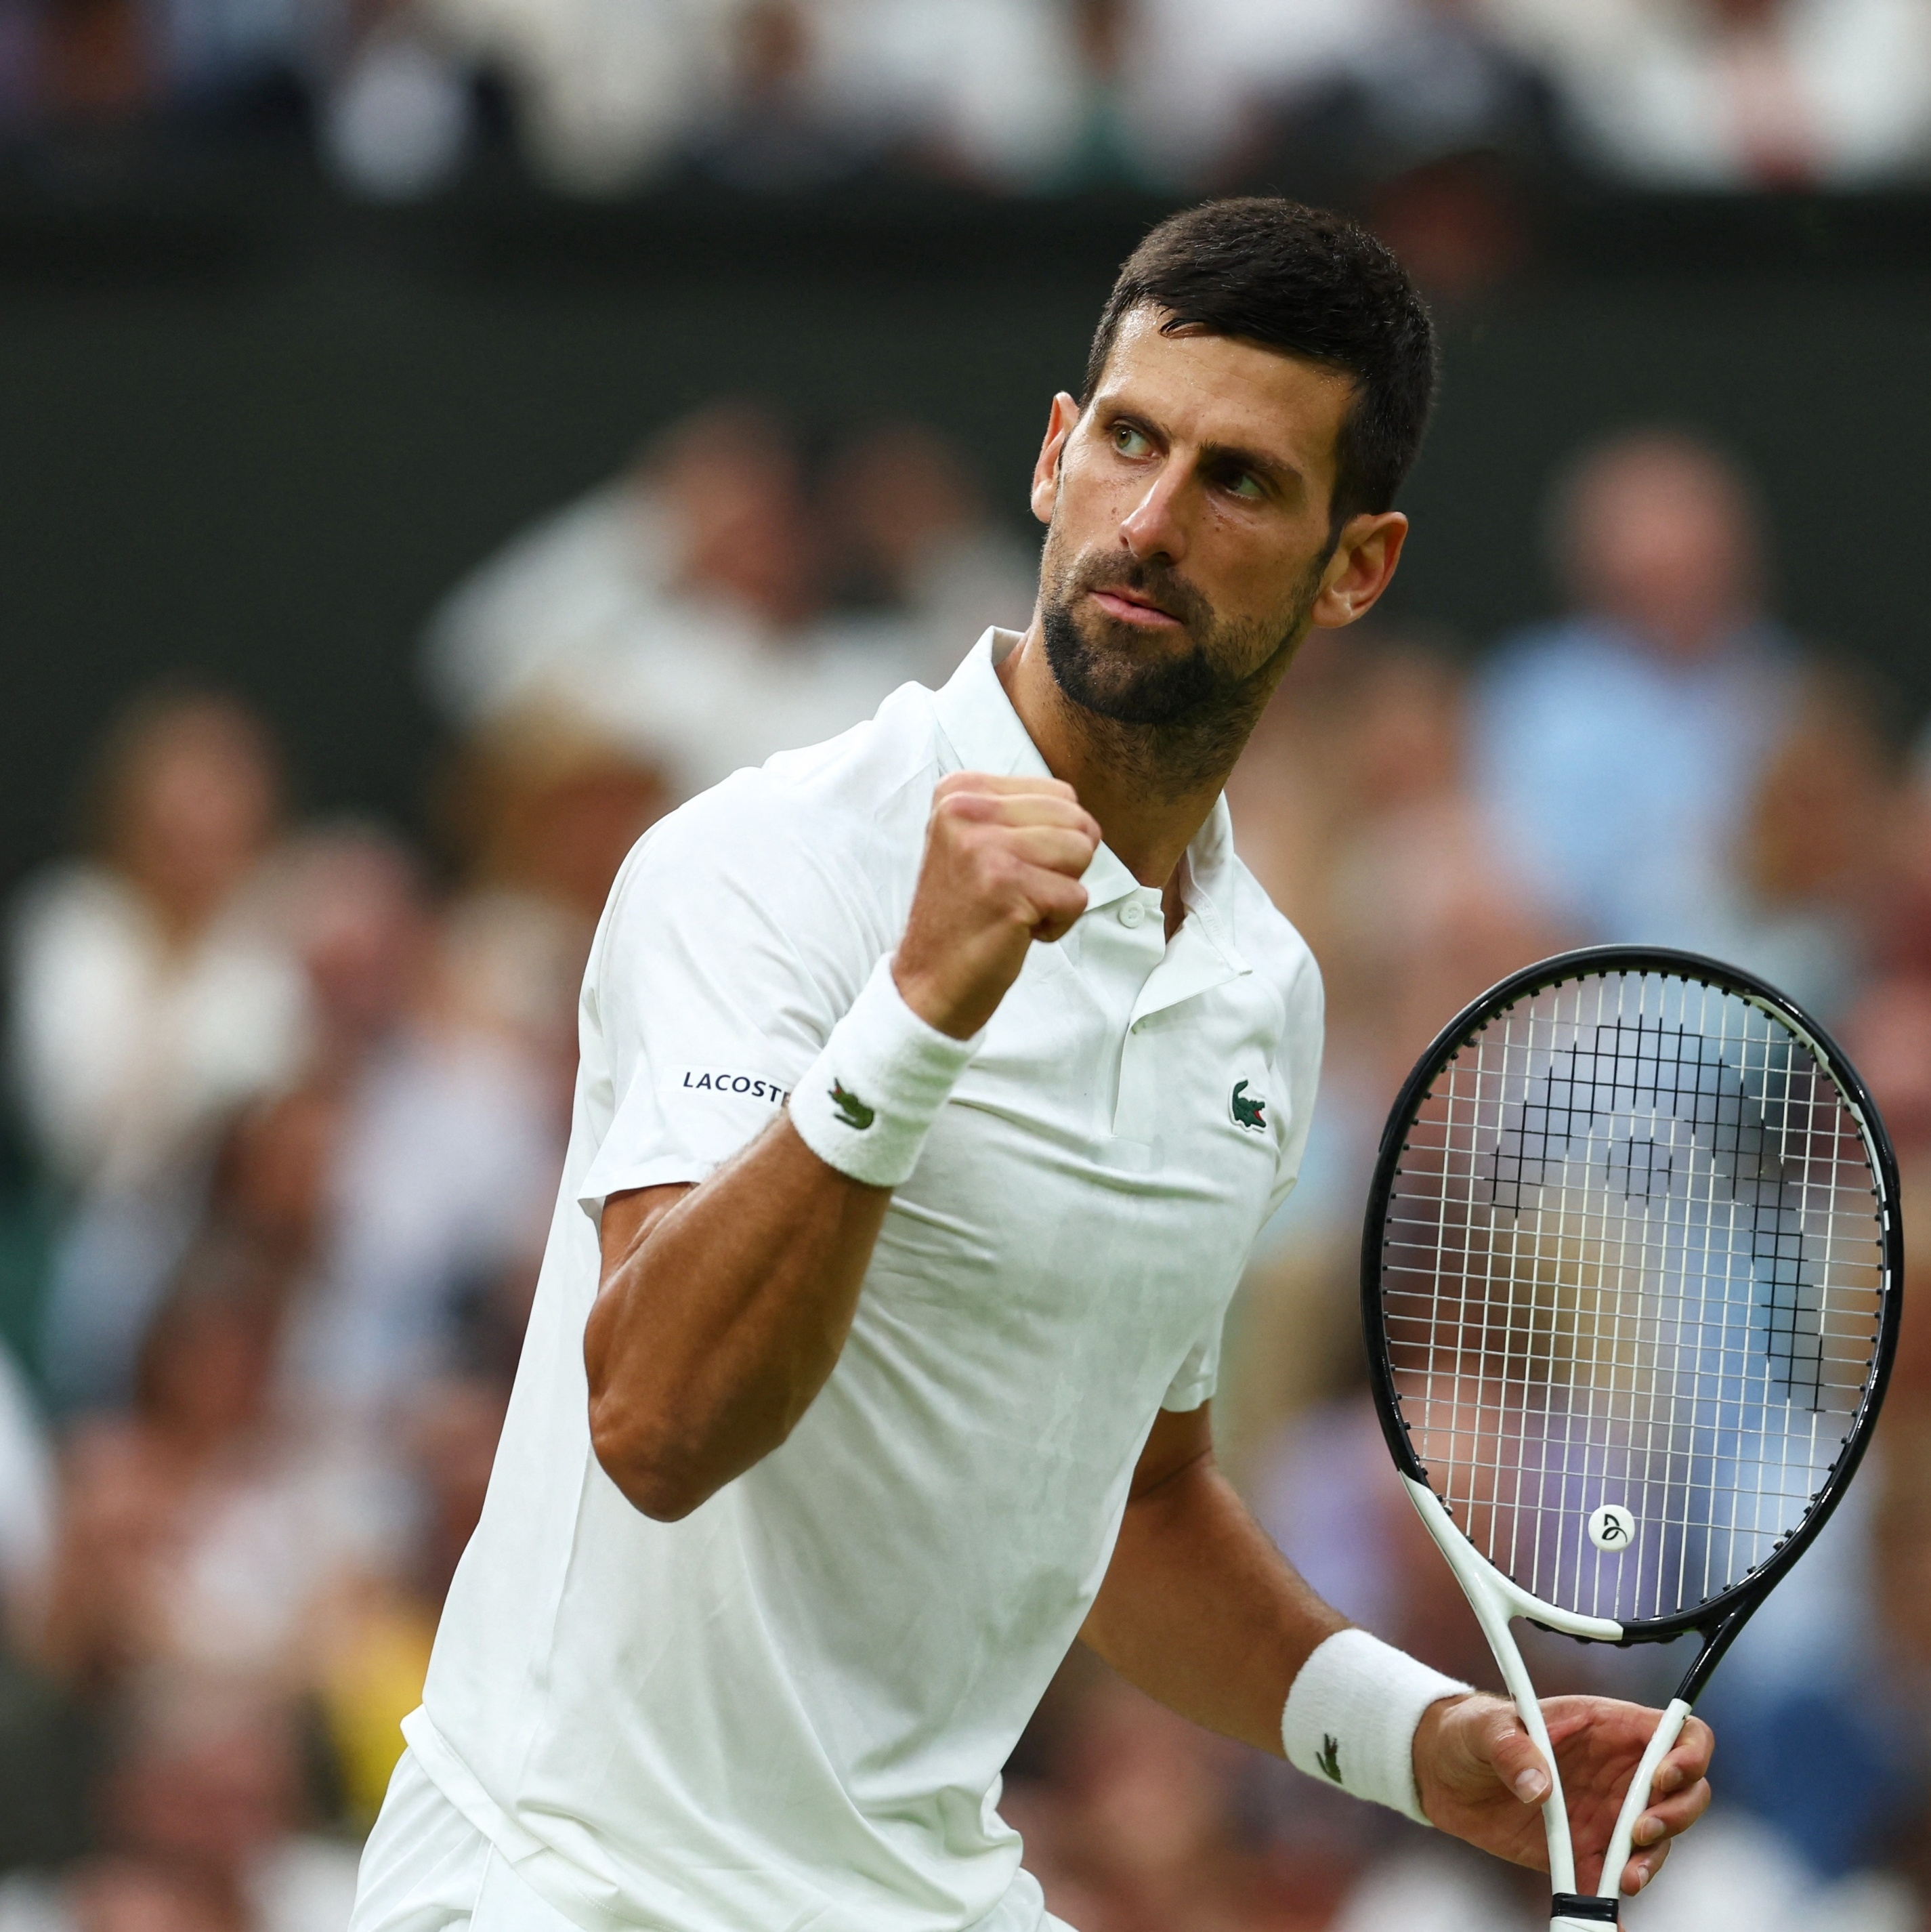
1223,390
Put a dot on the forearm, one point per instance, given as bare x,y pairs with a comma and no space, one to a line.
1201,1612
720,1315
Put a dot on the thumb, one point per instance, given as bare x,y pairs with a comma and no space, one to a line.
1518,1764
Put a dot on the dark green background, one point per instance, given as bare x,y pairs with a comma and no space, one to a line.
253,433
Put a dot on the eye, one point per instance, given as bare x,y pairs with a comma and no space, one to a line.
1129,441
1244,484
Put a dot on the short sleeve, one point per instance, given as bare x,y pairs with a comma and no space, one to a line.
732,944
1300,1058
1199,1374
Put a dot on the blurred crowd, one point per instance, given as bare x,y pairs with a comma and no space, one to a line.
293,1096
1027,96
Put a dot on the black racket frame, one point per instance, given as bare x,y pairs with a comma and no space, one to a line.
1718,1619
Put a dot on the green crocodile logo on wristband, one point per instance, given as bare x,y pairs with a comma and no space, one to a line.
852,1110
1330,1759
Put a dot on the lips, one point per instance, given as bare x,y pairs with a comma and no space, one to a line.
1132,607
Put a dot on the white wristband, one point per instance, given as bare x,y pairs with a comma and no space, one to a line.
868,1102
1351,1716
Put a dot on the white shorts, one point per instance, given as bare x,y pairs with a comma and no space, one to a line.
426,1868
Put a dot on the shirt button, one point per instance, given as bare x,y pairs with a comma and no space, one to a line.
1133,913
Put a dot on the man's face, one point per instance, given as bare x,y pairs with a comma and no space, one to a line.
1189,505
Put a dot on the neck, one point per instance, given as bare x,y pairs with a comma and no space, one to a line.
1117,770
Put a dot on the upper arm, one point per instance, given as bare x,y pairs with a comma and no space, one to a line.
730,946
628,1219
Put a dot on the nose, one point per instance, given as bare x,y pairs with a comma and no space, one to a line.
1156,525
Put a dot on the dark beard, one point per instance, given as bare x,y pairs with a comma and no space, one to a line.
1174,724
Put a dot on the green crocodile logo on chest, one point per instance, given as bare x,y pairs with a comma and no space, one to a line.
1247,1107
852,1110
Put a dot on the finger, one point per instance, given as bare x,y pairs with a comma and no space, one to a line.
1517,1763
1688,1760
1053,848
1673,1815
980,807
1640,1869
1058,902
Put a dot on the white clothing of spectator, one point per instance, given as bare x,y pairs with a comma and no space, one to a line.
994,86
26,1491
1616,750
442,1179
128,1049
1740,94
1199,67
681,609
151,993
606,91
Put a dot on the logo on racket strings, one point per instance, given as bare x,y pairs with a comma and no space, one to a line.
1612,1527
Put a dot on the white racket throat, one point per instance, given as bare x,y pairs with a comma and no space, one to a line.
1496,1600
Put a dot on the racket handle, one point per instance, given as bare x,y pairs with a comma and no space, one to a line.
1637,1802
1575,1914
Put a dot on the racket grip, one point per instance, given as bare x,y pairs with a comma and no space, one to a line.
1576,1914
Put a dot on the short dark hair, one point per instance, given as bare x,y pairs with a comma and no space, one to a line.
1310,282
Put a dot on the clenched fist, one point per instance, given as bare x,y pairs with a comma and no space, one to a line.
1003,858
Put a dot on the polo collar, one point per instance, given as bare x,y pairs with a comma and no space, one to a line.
985,734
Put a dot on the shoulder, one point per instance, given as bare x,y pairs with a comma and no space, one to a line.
822,843
836,807
74,905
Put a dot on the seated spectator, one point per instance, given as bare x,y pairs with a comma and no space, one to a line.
437,1172
1740,94
540,808
1611,746
1201,70
1437,81
987,91
152,994
682,608
1808,888
203,1531
777,127
204,1817
149,993
913,552
604,93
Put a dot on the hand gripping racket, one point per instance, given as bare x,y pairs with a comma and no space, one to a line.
1631,1281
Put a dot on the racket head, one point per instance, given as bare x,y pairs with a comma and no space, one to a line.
1631,1282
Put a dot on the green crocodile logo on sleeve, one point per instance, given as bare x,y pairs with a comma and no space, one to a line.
852,1110
1247,1107
1330,1759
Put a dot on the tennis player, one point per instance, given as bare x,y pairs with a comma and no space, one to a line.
935,1084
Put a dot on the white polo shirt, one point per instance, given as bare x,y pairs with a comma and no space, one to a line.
791,1708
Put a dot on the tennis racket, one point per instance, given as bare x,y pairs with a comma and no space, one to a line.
1631,1280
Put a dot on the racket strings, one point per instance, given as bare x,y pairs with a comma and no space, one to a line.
1635,1262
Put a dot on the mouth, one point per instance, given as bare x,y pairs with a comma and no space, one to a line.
1133,607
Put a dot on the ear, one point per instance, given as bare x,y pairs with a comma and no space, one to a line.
1060,423
1362,567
